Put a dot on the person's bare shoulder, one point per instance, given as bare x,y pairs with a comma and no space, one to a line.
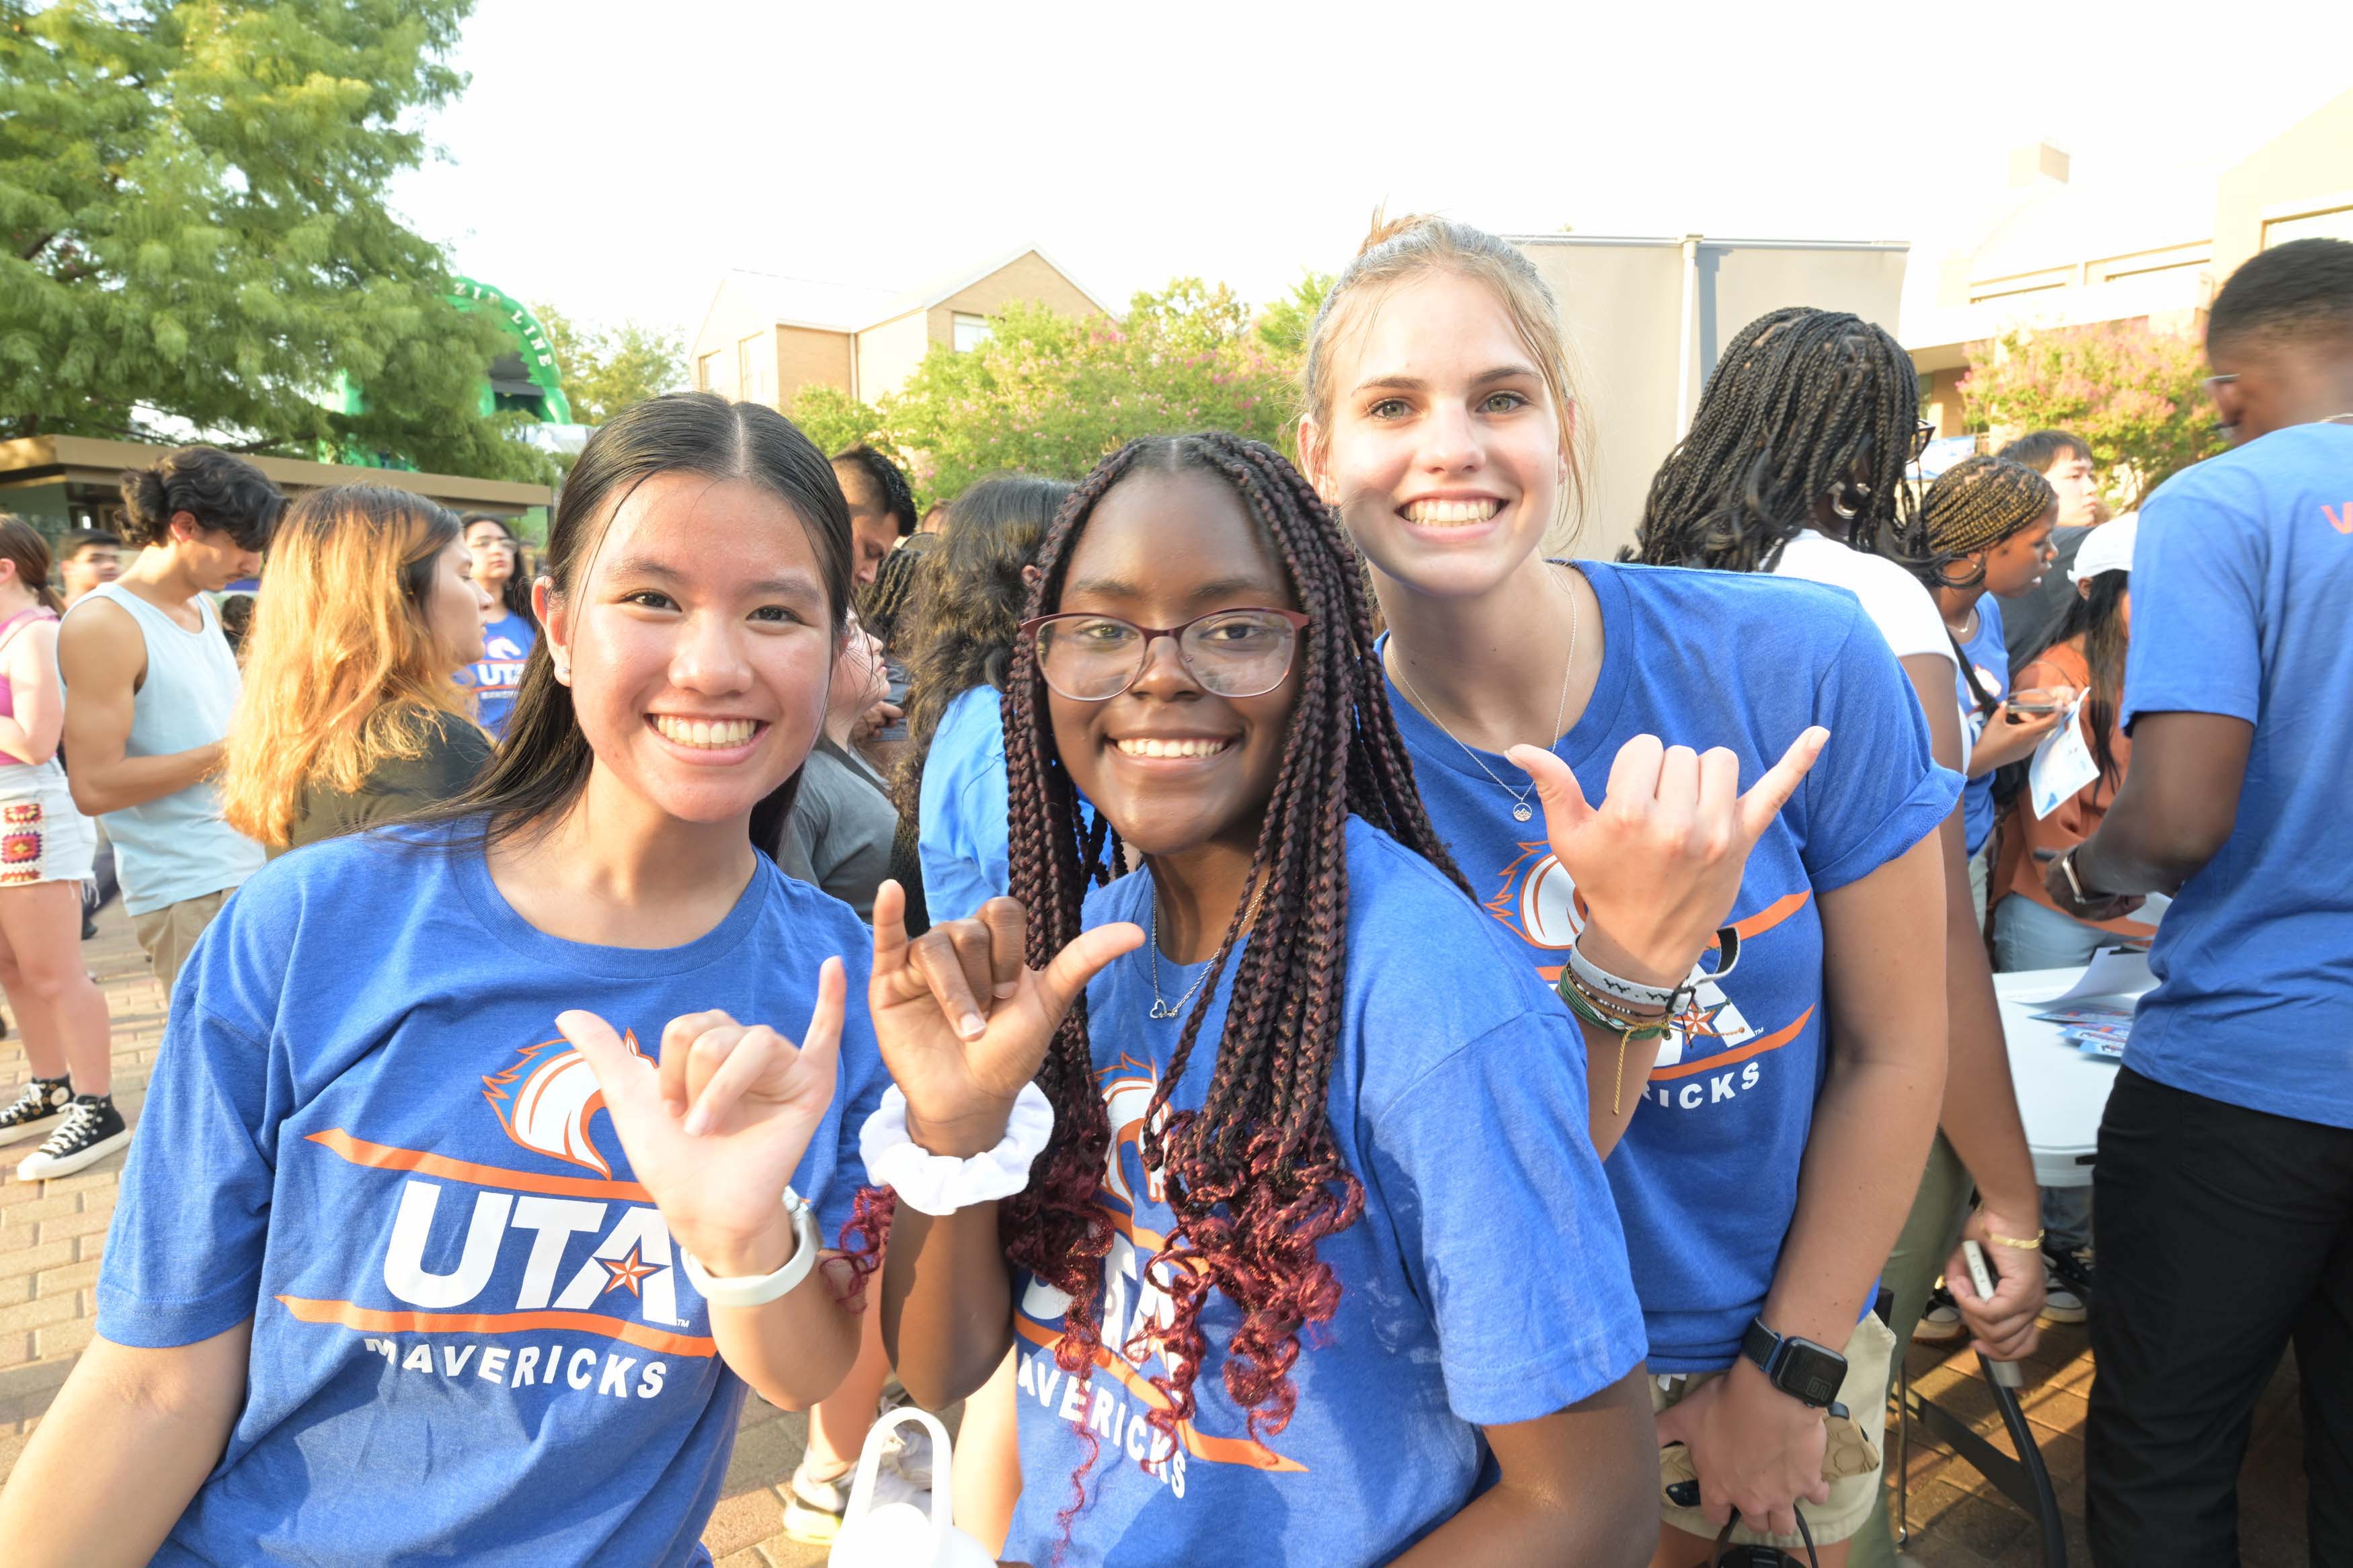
99,641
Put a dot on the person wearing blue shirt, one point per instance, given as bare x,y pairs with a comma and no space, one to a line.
512,630
1765,1150
2224,1181
1316,1264
412,1262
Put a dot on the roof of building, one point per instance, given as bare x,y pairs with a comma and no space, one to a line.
854,307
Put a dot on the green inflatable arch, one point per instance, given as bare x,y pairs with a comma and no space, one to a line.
527,376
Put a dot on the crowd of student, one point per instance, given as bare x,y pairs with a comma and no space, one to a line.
1543,1073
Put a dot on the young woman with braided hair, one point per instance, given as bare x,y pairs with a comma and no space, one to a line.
1752,1143
1275,1279
1795,465
1988,523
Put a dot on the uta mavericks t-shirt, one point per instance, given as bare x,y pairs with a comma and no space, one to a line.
472,1341
495,677
1706,1176
2242,586
1988,656
1485,1282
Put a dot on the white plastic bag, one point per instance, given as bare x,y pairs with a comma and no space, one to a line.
900,1534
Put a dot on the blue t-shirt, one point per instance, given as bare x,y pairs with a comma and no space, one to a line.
960,838
2242,577
1485,1281
1706,1176
495,677
1988,654
472,1339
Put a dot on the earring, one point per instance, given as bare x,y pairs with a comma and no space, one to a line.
563,670
1839,502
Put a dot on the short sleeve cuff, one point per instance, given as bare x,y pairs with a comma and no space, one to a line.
2246,705
1495,1395
128,1319
1913,819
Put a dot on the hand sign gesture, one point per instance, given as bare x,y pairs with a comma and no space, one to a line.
962,1019
716,1131
1659,862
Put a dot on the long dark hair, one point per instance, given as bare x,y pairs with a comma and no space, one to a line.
1254,1176
23,544
515,598
968,598
1805,405
544,760
2097,616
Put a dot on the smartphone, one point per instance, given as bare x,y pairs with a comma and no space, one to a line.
2005,1373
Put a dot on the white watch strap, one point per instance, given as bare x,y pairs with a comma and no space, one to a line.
759,1290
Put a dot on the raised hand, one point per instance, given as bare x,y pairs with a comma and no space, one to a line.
964,1021
1658,863
716,1129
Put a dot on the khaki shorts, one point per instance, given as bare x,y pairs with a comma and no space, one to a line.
1869,1353
169,934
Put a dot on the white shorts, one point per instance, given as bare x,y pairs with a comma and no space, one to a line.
42,838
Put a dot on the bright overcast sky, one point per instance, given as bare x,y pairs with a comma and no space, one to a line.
615,158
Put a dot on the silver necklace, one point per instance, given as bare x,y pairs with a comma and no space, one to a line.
1521,810
1162,1008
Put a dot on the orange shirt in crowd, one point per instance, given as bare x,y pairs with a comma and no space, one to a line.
2074,819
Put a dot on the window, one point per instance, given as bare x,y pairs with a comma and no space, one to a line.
706,372
754,380
2336,224
971,331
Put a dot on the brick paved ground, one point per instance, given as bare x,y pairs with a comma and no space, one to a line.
52,1234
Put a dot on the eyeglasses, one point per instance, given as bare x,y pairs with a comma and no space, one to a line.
2212,382
1921,436
1230,652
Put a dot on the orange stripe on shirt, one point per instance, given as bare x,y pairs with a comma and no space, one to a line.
1216,1450
384,1157
1757,1047
356,1317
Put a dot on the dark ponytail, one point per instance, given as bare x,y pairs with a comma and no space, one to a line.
543,763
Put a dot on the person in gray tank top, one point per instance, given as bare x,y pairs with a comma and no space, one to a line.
150,685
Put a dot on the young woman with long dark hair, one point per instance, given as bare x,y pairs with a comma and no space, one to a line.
496,671
46,847
415,1240
351,713
1314,1242
1764,1150
1796,465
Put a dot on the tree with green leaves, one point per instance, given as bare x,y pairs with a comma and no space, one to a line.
834,420
2133,393
194,231
608,368
1283,327
1051,394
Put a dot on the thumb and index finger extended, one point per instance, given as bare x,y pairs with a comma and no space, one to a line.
1766,798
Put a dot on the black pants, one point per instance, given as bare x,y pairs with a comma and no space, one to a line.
2223,1231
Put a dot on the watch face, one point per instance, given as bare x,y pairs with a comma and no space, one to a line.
1813,1373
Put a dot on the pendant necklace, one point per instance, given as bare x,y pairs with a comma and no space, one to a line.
1521,810
1163,1008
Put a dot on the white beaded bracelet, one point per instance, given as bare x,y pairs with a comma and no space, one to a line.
939,1184
759,1290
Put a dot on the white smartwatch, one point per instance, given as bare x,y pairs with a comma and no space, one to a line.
759,1290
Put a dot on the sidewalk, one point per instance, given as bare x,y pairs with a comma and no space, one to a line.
52,1234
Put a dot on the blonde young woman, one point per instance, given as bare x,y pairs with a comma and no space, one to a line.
351,714
45,854
1577,731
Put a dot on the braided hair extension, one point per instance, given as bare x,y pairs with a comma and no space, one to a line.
1805,405
883,604
1253,1175
1973,506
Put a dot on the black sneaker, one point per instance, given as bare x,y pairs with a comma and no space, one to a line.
93,1130
40,1106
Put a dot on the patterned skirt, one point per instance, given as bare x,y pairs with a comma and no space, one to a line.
42,838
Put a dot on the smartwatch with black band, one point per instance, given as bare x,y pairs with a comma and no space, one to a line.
1806,1371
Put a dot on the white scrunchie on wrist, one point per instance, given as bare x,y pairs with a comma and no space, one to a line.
939,1184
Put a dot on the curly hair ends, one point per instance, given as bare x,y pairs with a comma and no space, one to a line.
1254,1175
959,626
1805,407
342,670
216,489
